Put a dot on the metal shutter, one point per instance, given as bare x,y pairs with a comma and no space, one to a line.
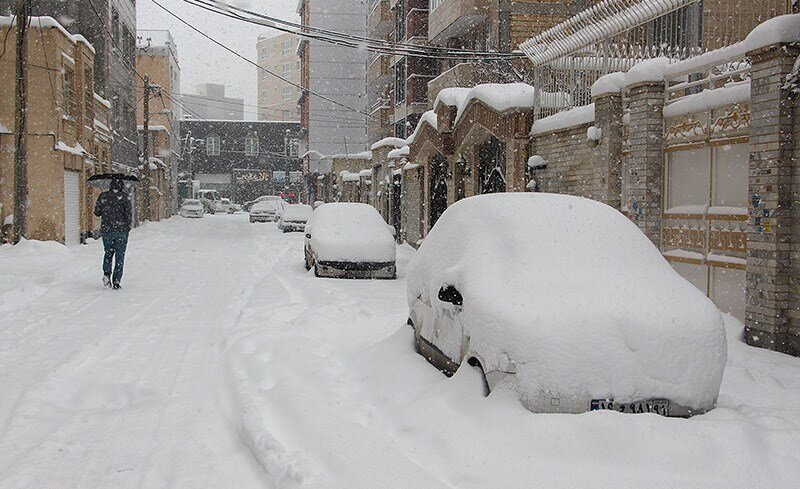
72,208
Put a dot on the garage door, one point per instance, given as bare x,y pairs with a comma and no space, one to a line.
72,208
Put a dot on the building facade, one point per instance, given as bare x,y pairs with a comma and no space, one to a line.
157,58
122,81
277,99
210,103
246,159
68,135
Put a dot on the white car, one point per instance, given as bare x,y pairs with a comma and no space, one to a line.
191,208
211,201
249,205
564,301
265,211
294,217
350,240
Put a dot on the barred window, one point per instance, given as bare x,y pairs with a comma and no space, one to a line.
68,91
251,146
212,145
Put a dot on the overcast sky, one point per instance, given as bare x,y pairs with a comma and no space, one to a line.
204,62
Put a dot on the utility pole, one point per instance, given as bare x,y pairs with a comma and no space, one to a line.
146,147
287,150
20,122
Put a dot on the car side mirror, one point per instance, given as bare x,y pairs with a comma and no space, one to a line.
450,294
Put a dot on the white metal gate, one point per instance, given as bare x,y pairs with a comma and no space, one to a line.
72,207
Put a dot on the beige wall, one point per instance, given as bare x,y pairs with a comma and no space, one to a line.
272,104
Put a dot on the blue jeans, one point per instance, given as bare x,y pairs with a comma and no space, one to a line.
114,243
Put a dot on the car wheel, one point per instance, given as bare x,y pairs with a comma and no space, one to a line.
475,364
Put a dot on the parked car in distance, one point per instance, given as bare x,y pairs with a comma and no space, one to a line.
265,211
350,240
248,205
294,217
565,302
191,208
227,206
232,207
211,201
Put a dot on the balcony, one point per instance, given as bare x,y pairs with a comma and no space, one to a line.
379,70
453,18
380,22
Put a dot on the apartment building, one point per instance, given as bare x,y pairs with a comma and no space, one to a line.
157,58
68,135
277,99
210,102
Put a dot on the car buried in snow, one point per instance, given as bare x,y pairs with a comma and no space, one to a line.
350,240
265,211
192,208
249,204
294,217
564,301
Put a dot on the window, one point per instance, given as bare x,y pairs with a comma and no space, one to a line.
264,96
287,93
88,97
251,146
297,63
287,69
400,81
400,20
212,145
287,114
68,91
286,48
293,147
264,54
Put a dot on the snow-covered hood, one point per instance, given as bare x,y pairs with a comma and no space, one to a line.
350,232
192,207
576,295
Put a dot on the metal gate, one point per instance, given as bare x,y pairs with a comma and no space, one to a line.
72,207
438,188
492,168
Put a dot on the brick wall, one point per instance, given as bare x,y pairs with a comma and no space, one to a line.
571,164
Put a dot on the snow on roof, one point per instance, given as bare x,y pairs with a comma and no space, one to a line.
783,29
364,155
599,317
313,154
399,152
453,96
411,166
80,38
76,150
428,117
390,142
649,70
709,99
499,96
153,128
563,120
348,176
609,83
105,103
365,173
45,22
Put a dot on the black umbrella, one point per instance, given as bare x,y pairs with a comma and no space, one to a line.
103,180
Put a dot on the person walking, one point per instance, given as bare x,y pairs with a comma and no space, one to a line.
114,208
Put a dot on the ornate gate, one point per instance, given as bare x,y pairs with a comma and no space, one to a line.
438,188
492,168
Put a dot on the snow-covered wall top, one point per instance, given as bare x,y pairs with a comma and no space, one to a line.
609,83
783,29
48,22
453,96
563,120
399,152
389,142
428,117
498,96
710,99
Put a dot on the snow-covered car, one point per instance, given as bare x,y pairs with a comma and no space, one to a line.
191,208
212,203
249,205
350,240
294,217
567,303
265,211
232,207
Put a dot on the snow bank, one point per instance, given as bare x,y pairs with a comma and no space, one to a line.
783,29
709,99
389,142
352,232
563,120
499,96
600,317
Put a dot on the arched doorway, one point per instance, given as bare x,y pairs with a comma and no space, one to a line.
437,188
492,167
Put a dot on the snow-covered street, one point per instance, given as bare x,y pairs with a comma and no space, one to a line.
223,363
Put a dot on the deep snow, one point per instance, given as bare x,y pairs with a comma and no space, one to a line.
223,363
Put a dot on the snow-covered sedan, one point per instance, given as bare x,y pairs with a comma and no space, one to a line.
294,217
566,302
265,211
350,240
192,208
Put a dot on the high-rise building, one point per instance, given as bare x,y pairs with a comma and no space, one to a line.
277,99
209,102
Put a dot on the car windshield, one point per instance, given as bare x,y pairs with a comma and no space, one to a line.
191,202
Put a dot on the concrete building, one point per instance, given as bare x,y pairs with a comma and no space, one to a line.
210,103
157,58
122,81
68,134
245,159
277,100
337,73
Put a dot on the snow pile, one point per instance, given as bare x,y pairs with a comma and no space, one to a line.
429,118
348,176
594,133
608,84
453,96
389,142
731,93
351,232
536,161
649,70
600,317
784,29
399,152
562,120
76,150
499,96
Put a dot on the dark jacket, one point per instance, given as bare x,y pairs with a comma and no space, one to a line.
115,210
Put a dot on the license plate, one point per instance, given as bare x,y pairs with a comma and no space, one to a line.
657,406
